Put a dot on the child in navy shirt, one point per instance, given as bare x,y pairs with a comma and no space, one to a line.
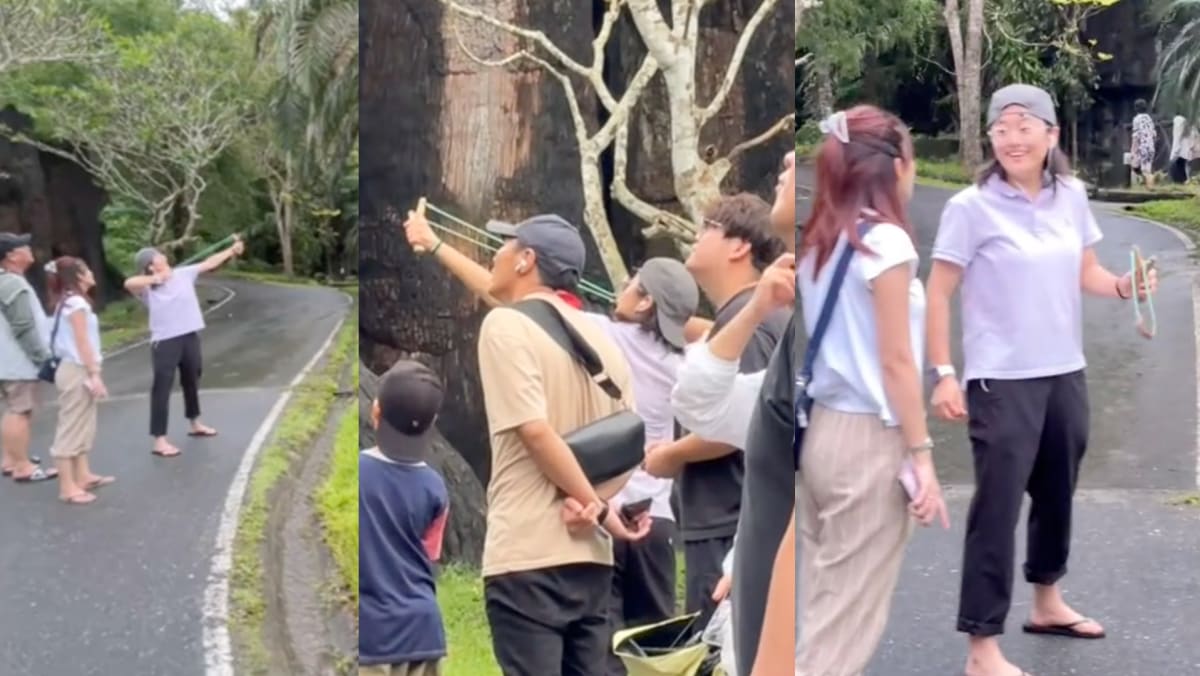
402,510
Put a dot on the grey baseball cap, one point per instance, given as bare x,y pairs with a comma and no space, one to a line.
144,258
675,295
1037,101
11,241
559,246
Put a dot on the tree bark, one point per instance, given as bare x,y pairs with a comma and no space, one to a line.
480,143
968,77
466,526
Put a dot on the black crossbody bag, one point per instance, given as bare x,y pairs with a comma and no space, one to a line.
614,444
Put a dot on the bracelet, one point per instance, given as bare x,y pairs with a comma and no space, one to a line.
926,445
1117,288
434,250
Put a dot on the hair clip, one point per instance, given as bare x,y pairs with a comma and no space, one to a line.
51,268
836,126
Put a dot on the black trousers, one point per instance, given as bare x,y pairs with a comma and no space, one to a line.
643,585
1179,170
702,567
1027,436
181,353
550,622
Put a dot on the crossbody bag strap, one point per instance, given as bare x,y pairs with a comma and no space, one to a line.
831,297
62,304
545,315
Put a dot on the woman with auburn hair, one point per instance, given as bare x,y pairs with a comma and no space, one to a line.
75,341
866,464
1021,243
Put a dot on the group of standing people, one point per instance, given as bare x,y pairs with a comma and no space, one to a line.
567,563
1024,230
1185,145
63,347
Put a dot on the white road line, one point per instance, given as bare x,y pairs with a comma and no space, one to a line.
218,649
231,294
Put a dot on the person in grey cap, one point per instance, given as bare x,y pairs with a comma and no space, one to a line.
24,331
176,321
547,567
1026,399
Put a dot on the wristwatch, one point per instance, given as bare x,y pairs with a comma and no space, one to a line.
945,371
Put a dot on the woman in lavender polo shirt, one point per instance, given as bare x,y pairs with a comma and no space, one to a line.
175,324
1020,243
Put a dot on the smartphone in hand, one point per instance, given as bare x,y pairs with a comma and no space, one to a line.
630,511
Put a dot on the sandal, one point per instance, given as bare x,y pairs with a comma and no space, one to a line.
169,452
98,482
203,432
80,498
1068,629
38,474
8,470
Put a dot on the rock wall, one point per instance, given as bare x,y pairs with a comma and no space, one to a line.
57,202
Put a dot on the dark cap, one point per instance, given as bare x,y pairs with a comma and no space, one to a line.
409,397
1036,101
675,295
559,247
11,241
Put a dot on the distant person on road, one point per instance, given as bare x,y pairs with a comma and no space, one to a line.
75,335
1142,145
24,332
1185,143
1026,401
176,321
403,506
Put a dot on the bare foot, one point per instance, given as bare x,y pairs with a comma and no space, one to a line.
997,666
1064,621
199,429
165,450
95,481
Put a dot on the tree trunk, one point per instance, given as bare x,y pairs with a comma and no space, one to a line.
283,220
825,100
465,528
479,142
968,78
759,97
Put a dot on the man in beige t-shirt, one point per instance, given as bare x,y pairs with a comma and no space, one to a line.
547,559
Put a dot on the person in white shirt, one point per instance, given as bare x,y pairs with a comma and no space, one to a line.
75,341
1185,143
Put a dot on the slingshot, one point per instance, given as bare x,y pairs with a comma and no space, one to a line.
487,241
210,250
1139,274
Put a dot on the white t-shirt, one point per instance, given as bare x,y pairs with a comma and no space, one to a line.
64,342
654,368
848,375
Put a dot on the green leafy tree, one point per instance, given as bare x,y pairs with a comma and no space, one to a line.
1179,83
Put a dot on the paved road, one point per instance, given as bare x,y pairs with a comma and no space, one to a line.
1134,562
116,587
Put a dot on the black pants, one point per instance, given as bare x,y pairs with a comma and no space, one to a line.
182,353
643,585
550,622
702,567
1027,436
1179,170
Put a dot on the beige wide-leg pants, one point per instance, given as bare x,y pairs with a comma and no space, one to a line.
853,527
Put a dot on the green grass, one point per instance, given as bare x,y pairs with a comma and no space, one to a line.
300,425
460,596
942,173
121,322
337,502
1182,213
1187,501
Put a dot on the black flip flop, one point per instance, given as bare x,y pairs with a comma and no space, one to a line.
33,458
203,435
1067,629
161,454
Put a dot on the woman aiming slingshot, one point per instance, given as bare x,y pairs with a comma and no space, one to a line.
176,321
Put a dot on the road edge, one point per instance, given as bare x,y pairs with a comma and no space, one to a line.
216,641
230,294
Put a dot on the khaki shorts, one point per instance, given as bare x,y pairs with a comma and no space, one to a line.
428,668
76,428
18,396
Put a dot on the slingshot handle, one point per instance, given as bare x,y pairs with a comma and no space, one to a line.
420,211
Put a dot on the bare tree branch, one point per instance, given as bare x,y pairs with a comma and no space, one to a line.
42,31
659,221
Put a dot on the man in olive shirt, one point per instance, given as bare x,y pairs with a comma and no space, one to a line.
547,557
735,246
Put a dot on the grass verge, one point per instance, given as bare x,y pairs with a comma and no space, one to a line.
942,173
1187,501
300,425
337,502
1184,214
121,322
